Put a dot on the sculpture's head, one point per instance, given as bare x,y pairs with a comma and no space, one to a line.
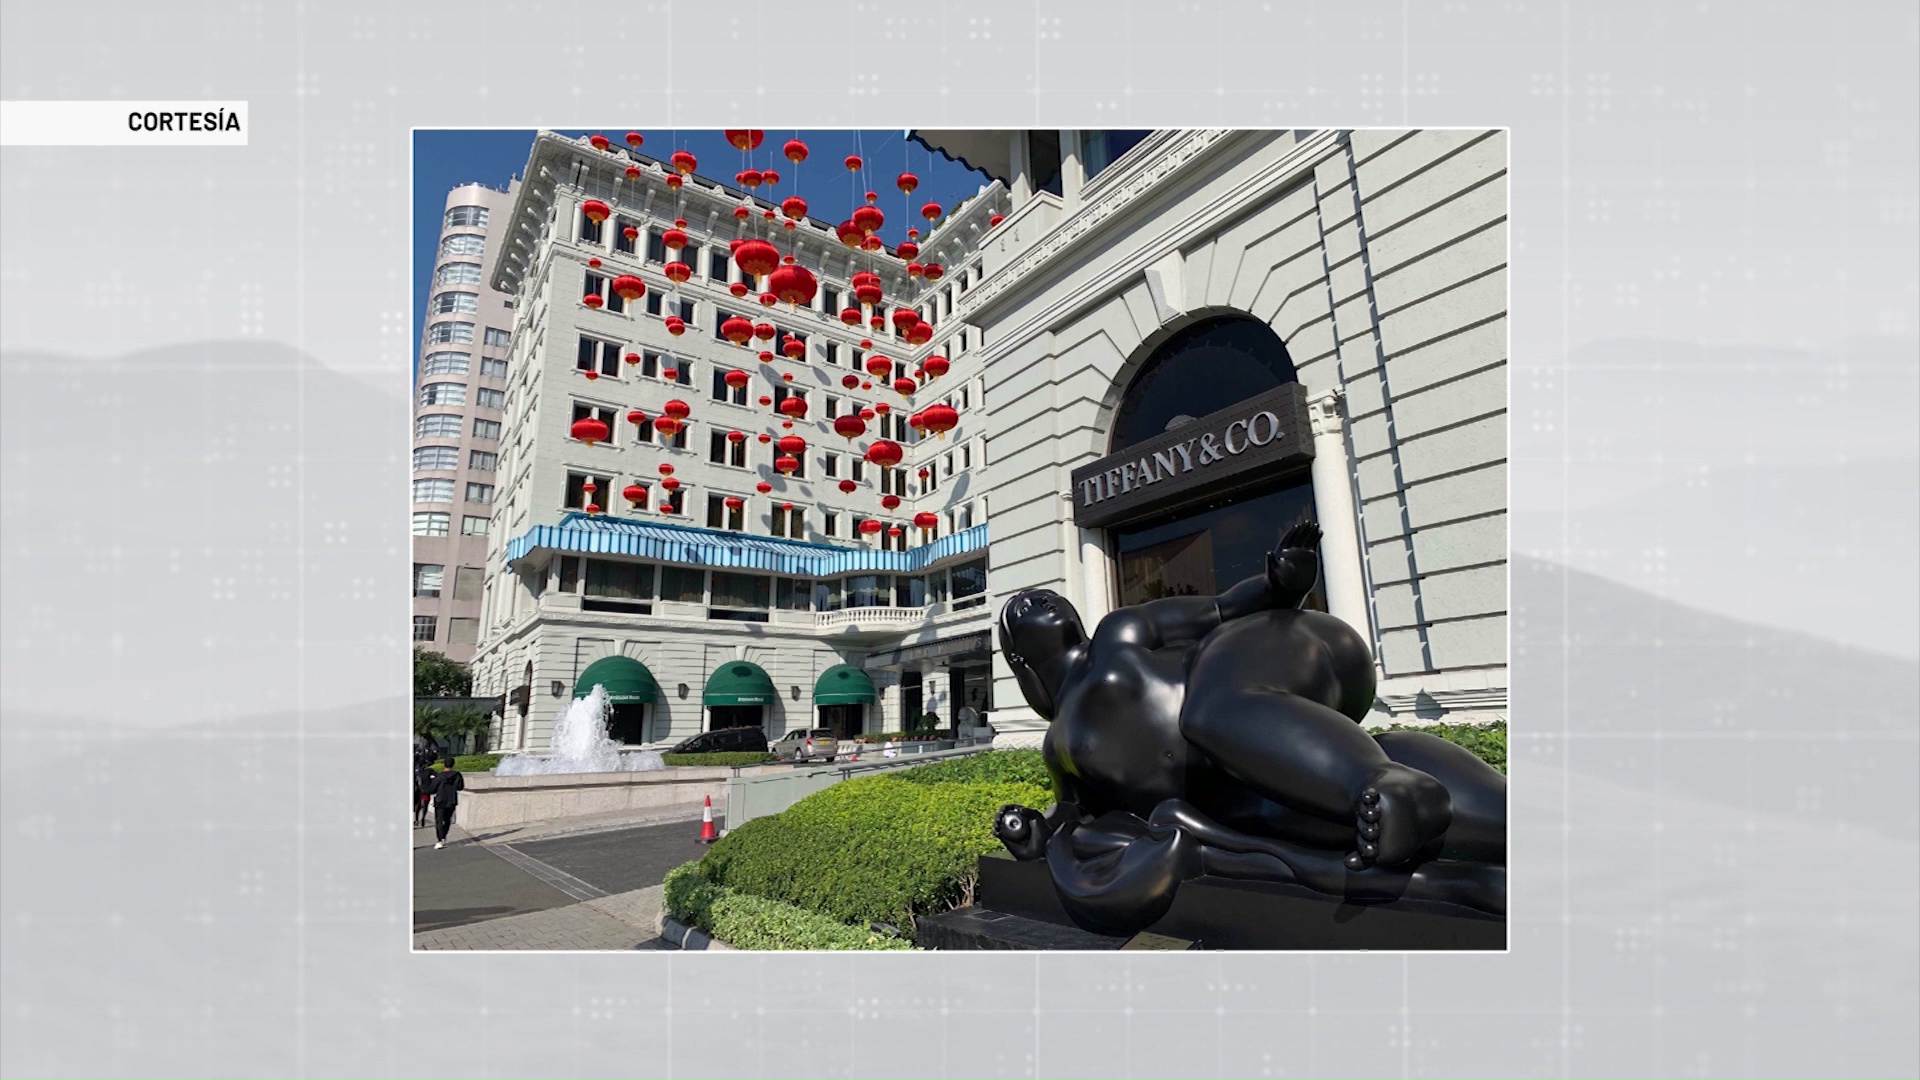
1038,629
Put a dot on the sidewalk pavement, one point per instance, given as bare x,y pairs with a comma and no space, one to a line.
628,920
592,823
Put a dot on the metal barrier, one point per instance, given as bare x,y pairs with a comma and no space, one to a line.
749,797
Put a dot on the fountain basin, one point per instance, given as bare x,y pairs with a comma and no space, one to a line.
490,801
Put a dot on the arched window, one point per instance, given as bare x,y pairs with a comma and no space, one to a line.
1209,366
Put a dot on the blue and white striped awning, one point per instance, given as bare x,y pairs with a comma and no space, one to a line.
601,535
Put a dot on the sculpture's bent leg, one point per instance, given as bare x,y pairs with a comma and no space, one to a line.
1303,754
1118,875
1477,791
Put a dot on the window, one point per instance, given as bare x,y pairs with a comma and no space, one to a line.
683,584
437,425
965,400
1099,149
830,464
678,440
577,499
490,399
966,451
747,591
859,469
620,241
868,590
653,301
479,493
431,491
463,244
443,393
445,363
970,584
430,523
656,247
937,587
486,429
493,369
604,415
946,466
436,457
650,364
686,312
792,594
830,302
722,392
497,337
463,631
909,592
643,431
722,516
466,217
690,254
483,460
717,263
570,573
423,627
965,517
590,231
722,452
826,596
596,285
427,578
618,586
682,372
833,350
469,582
457,274
474,526
791,524
1043,161
450,333
833,407
830,524
592,353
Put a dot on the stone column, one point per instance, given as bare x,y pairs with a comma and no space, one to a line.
1096,576
1339,516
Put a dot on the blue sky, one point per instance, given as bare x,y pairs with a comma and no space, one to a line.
443,160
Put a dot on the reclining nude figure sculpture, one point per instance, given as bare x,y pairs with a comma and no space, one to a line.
1221,735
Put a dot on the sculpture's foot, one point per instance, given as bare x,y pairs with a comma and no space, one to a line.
1399,812
1023,830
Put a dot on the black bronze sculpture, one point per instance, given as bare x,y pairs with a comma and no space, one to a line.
1220,735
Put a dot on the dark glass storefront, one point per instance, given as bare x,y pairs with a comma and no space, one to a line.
1207,551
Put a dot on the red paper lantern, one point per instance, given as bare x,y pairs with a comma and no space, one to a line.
733,502
882,407
795,150
633,172
920,333
669,373
737,329
884,453
594,262
995,219
888,502
591,374
903,319
866,413
765,331
666,468
849,381
765,356
667,508
677,272
787,376
795,407
905,386
794,207
589,430
791,444
933,272
866,343
936,366
748,178
940,418
599,142
636,417
850,316
675,325
741,213
877,323
769,177
767,299
736,378
596,210
849,233
631,358
849,425
677,409
864,385
930,210
786,506
766,399
913,269
878,366
926,519
793,284
670,484
765,438
630,233
923,474
784,464
763,487
906,182
666,425
756,258
873,196
744,138
893,530
868,219
738,289
847,487
591,508
683,162
592,300
870,526
630,287
736,436
675,238
674,180
634,138
634,494
853,162
907,250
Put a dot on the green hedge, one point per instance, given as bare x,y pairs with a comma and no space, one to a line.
736,758
1487,741
986,767
871,849
746,921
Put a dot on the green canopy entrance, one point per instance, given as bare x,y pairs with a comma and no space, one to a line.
738,682
843,684
627,680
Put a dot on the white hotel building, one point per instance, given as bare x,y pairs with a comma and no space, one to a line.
1164,346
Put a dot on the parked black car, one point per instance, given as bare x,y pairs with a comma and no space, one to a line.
733,740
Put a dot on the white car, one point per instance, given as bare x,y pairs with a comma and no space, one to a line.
802,744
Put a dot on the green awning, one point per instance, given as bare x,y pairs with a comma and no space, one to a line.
627,680
738,682
843,684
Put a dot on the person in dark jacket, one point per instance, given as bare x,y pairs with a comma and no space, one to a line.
447,786
422,787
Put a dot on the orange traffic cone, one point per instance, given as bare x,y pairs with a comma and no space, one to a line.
707,835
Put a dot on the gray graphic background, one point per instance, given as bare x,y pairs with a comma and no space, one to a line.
203,674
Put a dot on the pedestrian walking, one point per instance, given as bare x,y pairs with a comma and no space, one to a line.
447,786
422,787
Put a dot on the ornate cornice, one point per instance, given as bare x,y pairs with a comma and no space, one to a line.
1328,413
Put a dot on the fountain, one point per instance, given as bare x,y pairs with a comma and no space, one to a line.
580,745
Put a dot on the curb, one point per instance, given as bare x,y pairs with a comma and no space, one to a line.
686,938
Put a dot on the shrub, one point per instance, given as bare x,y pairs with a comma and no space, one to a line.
1488,742
475,762
871,849
735,758
986,767
746,921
